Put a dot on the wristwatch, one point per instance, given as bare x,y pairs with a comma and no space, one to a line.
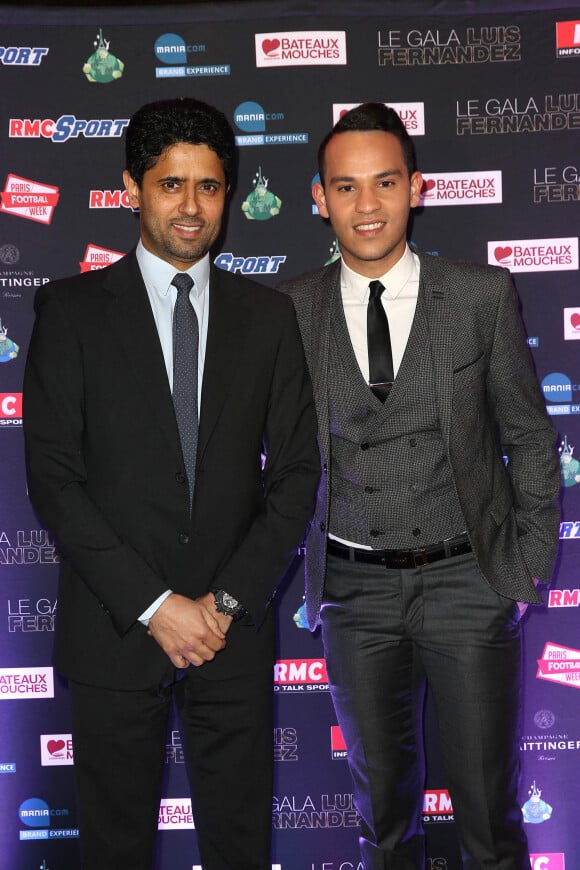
225,603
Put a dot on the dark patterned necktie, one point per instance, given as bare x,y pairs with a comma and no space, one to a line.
381,374
185,349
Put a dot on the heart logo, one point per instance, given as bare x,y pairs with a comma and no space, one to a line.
55,746
575,320
501,253
270,45
427,185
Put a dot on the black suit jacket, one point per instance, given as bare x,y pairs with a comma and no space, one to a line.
106,474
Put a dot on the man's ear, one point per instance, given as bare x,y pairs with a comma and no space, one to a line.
416,185
320,199
133,191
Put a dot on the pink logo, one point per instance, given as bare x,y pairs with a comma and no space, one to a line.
427,185
575,320
55,747
501,254
269,46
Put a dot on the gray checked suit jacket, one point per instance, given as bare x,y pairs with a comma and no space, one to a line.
490,405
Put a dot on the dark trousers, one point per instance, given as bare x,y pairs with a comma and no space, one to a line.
119,743
386,633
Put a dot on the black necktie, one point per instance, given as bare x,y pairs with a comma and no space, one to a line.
185,349
381,374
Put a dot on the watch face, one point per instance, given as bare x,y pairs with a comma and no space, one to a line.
229,602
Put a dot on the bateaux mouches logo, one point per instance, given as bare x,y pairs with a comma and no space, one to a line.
28,199
251,118
461,188
559,664
97,258
66,127
175,814
300,675
22,55
56,750
411,114
172,50
568,38
301,48
444,46
23,684
534,255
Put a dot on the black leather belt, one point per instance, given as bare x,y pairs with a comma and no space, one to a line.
403,558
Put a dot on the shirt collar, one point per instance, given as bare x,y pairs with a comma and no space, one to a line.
158,274
356,287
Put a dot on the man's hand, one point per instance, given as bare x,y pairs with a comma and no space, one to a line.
189,631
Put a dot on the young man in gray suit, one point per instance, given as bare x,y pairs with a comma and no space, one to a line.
426,546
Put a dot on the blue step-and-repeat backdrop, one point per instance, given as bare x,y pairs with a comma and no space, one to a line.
491,95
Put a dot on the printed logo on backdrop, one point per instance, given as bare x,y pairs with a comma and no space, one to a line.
338,864
564,598
251,118
174,749
570,529
12,280
559,664
337,744
7,767
536,810
103,67
300,675
569,466
40,820
285,744
22,55
411,114
261,204
437,807
10,415
25,683
328,811
66,127
31,547
449,46
556,184
559,389
534,255
301,48
29,199
274,867
97,258
110,199
172,50
56,750
518,114
548,861
548,746
571,324
175,815
27,615
8,348
568,38
461,188
260,265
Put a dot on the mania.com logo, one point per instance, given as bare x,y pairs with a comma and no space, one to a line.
461,188
534,255
300,675
301,48
411,114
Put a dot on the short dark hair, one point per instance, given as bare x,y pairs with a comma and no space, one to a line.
367,117
159,125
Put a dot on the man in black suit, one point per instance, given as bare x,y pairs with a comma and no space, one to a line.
173,536
424,540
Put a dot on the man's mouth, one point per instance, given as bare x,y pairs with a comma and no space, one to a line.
369,228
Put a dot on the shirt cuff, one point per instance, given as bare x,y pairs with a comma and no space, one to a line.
153,608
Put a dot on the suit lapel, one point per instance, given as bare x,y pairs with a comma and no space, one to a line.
321,314
229,314
440,338
133,326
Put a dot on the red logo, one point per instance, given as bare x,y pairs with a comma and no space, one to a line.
29,199
575,321
10,406
97,258
502,253
269,46
428,185
55,747
568,38
288,671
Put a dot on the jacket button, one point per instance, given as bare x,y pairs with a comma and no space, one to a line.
416,532
365,445
322,527
183,538
413,442
369,489
181,477
325,468
374,533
